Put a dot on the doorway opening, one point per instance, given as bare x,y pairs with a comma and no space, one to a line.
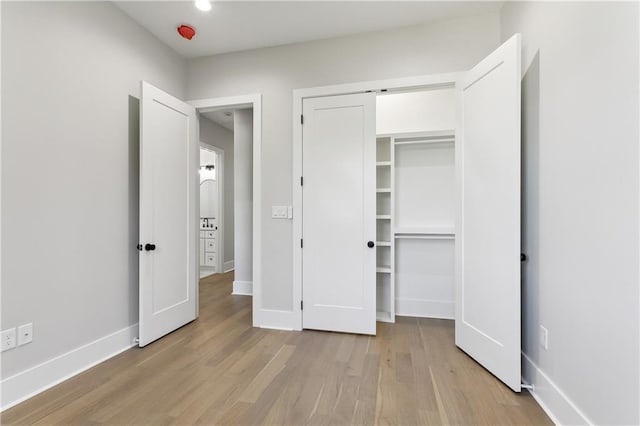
212,206
229,138
226,190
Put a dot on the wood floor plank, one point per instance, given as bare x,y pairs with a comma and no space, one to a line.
219,369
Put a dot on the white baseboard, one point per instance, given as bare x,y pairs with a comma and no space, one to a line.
206,271
32,381
425,308
266,327
276,319
244,288
227,266
550,397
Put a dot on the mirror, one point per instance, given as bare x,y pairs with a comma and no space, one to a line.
208,198
208,184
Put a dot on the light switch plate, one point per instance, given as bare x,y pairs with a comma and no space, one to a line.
8,339
279,212
25,334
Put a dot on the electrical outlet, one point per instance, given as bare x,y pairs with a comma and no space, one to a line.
25,334
8,339
544,337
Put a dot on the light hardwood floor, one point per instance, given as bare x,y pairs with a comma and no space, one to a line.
220,370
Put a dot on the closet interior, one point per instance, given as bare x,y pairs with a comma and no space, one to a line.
415,204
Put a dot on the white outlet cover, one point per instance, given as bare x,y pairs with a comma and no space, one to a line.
8,339
25,334
544,337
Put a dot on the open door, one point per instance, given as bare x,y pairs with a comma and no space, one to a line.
338,211
168,214
488,226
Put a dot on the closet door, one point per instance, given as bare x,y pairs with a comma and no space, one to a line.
488,226
168,214
338,213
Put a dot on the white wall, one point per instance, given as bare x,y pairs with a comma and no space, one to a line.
243,180
215,135
71,73
416,111
274,72
580,204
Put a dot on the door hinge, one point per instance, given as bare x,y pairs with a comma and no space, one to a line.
301,119
301,305
300,242
301,181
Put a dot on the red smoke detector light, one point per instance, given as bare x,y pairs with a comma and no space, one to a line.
186,31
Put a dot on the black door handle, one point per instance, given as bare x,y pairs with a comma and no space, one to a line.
149,247
139,247
371,244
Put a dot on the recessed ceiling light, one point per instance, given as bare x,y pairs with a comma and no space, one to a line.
203,5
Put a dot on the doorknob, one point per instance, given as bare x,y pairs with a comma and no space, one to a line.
371,244
149,247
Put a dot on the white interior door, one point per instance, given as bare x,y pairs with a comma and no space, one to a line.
168,214
488,228
338,198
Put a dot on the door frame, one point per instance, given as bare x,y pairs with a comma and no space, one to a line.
404,84
220,182
253,101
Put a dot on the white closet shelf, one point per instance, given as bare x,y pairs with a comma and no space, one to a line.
383,243
383,163
383,190
383,316
438,137
425,134
383,216
438,230
426,141
383,269
432,232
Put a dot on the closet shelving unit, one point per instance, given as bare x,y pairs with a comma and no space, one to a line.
414,201
384,230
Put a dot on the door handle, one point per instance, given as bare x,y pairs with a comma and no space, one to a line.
371,244
149,247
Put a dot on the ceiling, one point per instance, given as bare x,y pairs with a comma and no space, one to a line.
238,25
221,117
